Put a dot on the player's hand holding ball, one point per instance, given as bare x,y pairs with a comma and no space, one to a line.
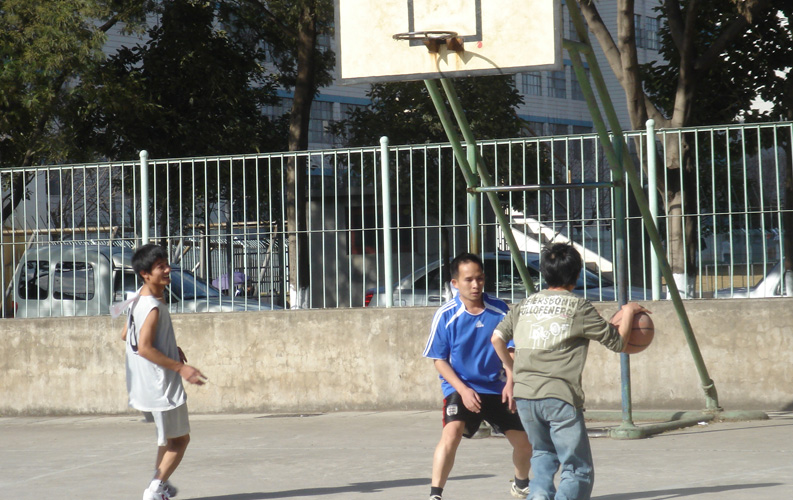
642,331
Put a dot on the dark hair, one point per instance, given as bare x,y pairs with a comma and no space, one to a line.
454,267
144,257
560,264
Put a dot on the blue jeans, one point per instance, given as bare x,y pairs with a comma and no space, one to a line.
558,435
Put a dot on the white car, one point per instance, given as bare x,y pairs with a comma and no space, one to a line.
772,285
423,287
85,280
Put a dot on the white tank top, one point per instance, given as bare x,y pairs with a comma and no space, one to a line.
152,387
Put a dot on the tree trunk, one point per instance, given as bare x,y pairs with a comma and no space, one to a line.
786,143
787,224
296,171
16,194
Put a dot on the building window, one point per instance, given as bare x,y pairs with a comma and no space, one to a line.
531,84
575,88
651,32
572,33
321,116
323,42
558,128
557,85
534,129
641,42
580,129
345,111
276,111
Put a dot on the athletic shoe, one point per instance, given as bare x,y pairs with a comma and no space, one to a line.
435,497
519,492
169,489
152,495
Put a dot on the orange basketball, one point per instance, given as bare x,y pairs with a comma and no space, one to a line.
642,332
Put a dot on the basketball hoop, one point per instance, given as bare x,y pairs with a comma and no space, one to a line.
434,39
444,39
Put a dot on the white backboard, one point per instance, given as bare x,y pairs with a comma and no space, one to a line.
499,37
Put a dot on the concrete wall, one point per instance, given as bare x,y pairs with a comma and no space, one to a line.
370,359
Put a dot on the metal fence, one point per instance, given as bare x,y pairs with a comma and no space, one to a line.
225,218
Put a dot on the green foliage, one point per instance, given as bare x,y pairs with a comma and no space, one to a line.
404,112
273,29
747,67
190,90
44,46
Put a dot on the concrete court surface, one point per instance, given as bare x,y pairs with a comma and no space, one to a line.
382,455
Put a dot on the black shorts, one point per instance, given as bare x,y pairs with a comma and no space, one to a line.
493,411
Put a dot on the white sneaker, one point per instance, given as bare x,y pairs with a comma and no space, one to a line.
154,495
519,492
169,489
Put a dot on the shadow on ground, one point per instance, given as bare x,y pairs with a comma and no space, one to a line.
368,487
686,492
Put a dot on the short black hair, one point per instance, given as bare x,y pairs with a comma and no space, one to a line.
454,268
560,264
144,257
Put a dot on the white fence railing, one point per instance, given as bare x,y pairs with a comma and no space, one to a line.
224,219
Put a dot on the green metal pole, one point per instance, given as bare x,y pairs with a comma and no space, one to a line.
542,187
708,386
487,180
459,154
474,209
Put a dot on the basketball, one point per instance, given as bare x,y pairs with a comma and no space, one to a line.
642,332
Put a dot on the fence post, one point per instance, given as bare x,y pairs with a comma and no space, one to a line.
652,199
144,197
388,254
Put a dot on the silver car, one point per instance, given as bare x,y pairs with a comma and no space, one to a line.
424,287
85,280
772,285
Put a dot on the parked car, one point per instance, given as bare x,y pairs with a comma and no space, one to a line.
85,280
772,285
424,288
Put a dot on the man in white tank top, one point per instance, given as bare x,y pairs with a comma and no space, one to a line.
156,366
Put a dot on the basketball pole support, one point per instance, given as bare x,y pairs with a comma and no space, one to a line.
478,180
623,166
469,161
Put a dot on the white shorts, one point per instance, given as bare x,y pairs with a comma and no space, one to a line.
171,424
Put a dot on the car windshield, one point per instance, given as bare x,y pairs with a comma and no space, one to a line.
187,286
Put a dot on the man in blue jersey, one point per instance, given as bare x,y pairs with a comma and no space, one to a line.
474,383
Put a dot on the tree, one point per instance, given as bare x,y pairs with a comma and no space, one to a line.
45,48
707,45
405,113
291,30
190,90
